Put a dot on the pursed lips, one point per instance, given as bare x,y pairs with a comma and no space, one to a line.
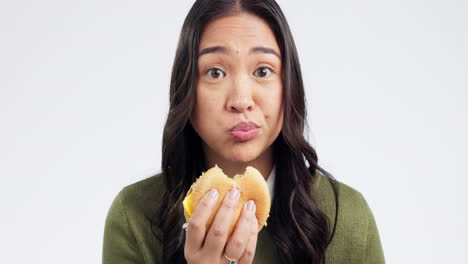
244,126
244,131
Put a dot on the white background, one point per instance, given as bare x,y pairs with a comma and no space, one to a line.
84,89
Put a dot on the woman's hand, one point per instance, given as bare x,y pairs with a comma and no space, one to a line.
209,246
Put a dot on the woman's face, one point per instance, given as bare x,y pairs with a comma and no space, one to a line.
239,80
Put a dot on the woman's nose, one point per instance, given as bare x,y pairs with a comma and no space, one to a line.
240,98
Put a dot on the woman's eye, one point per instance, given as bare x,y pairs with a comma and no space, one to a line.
263,72
215,73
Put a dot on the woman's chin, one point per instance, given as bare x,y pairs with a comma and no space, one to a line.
242,160
243,156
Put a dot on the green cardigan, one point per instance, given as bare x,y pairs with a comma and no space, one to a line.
128,237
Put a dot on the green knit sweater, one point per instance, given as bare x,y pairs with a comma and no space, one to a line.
128,237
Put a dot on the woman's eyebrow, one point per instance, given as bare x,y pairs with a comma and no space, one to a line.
221,49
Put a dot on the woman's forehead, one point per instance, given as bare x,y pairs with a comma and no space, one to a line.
238,33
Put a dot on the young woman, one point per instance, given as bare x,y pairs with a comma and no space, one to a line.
236,65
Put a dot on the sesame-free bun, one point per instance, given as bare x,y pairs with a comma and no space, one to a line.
251,184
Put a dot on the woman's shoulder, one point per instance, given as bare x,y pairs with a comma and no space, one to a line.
351,201
143,196
129,230
136,204
149,185
355,223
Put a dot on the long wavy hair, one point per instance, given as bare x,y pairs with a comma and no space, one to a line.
300,230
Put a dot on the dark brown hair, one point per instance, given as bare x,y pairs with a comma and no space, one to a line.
299,229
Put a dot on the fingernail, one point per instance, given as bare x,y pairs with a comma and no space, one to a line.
213,194
233,194
251,206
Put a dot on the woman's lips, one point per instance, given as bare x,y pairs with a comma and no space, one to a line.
244,131
244,134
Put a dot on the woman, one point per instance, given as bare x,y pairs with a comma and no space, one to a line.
236,65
